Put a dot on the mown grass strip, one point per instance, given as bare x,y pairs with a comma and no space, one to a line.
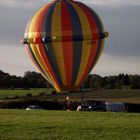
62,125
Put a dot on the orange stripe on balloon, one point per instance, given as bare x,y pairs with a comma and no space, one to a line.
27,29
86,48
40,47
33,61
94,43
33,32
90,61
45,60
67,46
40,18
35,28
57,46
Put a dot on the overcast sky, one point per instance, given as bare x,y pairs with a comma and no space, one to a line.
121,19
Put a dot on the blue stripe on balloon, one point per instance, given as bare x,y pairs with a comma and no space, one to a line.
48,45
37,64
77,45
99,27
95,16
97,53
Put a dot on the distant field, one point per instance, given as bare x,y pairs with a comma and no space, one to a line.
122,95
20,92
61,125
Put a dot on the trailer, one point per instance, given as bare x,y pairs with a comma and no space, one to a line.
115,106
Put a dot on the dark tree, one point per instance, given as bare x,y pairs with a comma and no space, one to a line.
35,80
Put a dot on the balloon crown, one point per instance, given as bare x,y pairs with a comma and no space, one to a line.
64,40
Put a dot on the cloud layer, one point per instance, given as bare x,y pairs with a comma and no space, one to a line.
29,4
111,65
37,3
121,53
112,2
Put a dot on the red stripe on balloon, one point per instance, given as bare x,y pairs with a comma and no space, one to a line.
32,59
41,47
93,49
40,19
67,46
41,50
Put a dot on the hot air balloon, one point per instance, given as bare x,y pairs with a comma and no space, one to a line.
64,40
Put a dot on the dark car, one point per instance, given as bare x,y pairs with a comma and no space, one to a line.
102,106
92,106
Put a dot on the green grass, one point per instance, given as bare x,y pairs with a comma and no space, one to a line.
60,125
116,95
20,92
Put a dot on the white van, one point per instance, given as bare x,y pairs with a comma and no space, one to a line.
115,106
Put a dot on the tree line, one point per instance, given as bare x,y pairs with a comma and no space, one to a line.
29,80
35,80
112,82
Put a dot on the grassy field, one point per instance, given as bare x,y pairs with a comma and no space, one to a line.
117,95
61,125
123,95
20,92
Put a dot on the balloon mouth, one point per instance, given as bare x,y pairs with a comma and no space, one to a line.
46,39
72,88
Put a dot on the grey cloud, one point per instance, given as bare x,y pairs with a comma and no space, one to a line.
14,60
122,22
112,65
114,3
13,21
36,3
29,4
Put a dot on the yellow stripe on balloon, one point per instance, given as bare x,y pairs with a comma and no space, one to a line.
30,36
38,69
102,47
26,49
57,46
86,47
27,29
102,27
34,20
37,56
45,68
34,49
103,40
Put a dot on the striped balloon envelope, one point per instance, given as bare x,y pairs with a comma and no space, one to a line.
64,40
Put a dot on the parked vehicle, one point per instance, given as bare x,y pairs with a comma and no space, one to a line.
101,106
91,106
115,106
34,107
